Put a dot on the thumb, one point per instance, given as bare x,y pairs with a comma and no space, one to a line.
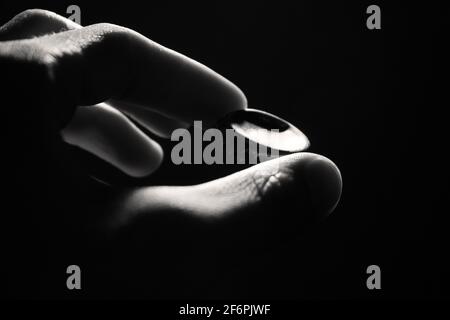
274,198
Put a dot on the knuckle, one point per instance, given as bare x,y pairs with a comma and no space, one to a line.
106,28
107,37
33,15
26,24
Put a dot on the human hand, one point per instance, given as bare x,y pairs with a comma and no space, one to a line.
98,76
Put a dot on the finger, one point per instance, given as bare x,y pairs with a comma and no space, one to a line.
151,120
103,61
38,22
107,133
35,23
100,129
244,205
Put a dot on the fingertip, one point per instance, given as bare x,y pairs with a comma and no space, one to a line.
236,99
324,184
209,95
311,182
144,160
109,135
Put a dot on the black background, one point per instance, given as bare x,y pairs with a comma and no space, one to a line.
367,99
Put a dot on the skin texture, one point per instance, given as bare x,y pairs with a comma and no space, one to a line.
92,80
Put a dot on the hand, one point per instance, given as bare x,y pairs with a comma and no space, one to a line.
169,238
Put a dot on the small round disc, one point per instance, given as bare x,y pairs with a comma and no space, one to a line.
267,129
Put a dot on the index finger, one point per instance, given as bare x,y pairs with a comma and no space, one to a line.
104,61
